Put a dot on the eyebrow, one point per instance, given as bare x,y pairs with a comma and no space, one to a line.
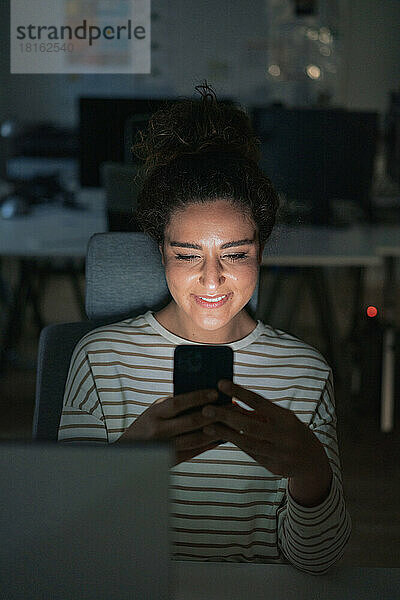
243,242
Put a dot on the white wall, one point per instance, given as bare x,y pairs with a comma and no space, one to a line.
210,39
195,40
371,35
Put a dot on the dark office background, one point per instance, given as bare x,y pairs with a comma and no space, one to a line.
250,53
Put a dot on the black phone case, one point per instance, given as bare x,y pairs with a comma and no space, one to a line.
199,367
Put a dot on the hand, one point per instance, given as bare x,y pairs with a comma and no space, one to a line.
272,435
163,421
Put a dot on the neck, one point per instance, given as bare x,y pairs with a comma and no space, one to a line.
238,328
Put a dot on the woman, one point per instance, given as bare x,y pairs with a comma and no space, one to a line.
271,491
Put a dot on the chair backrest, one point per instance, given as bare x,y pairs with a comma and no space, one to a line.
124,278
124,275
56,344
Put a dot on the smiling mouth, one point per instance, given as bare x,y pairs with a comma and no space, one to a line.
212,301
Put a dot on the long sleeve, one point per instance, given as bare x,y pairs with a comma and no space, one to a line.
82,419
314,538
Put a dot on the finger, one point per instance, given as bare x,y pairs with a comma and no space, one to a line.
182,456
243,441
198,439
239,421
259,403
183,424
173,405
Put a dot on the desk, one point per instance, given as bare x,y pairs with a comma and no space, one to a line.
322,246
386,240
52,230
319,247
49,231
238,581
359,246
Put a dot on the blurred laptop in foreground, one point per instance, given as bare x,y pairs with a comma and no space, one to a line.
84,522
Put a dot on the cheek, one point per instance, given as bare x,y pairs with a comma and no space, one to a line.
177,276
245,275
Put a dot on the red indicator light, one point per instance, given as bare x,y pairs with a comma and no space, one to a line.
372,311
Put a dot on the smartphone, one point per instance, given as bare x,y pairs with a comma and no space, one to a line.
200,367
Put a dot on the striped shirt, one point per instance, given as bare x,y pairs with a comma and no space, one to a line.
224,505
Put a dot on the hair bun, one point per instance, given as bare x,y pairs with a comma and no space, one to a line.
196,127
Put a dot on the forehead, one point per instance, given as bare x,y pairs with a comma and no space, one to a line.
219,217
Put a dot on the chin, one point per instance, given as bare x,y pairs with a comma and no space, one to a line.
211,323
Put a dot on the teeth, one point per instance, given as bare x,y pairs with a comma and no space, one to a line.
213,300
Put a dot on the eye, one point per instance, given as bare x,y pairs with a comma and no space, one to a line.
188,257
237,256
231,257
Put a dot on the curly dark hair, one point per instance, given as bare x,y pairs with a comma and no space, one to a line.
196,151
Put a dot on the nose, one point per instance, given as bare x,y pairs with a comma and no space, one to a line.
211,276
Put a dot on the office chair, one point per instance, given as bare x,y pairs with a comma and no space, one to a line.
124,278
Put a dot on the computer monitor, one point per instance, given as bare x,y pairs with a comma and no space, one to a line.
315,156
102,131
